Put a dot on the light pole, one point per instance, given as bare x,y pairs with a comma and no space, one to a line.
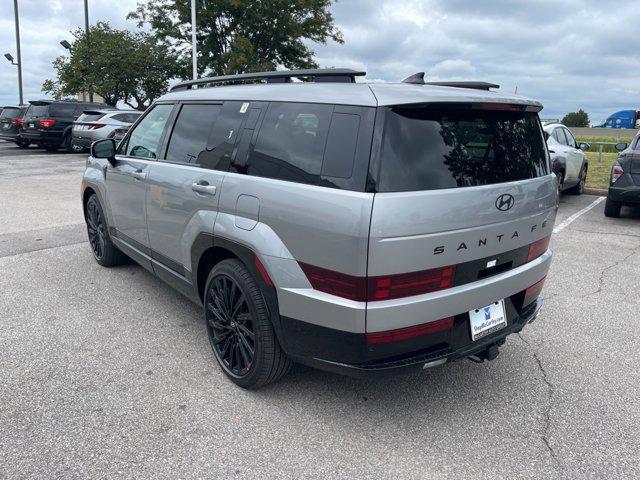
19,59
194,42
86,32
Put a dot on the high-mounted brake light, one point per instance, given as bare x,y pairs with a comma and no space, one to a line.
47,122
538,247
389,336
616,172
387,287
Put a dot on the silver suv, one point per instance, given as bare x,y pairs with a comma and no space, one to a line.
353,227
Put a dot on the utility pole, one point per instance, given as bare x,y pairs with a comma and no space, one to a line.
15,10
86,32
194,46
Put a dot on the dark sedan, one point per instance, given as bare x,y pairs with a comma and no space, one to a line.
624,184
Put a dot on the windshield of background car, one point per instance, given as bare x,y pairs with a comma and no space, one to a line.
428,148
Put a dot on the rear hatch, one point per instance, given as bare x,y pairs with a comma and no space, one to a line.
87,121
37,110
9,119
465,186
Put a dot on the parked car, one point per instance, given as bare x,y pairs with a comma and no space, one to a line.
95,125
47,123
118,134
349,226
624,184
568,160
10,121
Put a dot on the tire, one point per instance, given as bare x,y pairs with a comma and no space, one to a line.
237,321
612,209
104,251
22,143
579,188
560,181
70,147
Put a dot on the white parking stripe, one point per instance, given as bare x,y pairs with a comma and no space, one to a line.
567,221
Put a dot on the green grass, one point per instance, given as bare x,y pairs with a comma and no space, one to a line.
599,172
605,148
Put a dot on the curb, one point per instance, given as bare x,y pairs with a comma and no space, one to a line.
596,191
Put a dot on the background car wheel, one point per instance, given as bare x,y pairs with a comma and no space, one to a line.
22,144
239,328
560,181
104,251
70,147
579,188
612,209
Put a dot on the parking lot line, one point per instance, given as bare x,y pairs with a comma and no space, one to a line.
573,217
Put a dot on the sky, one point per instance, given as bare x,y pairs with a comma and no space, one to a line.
568,54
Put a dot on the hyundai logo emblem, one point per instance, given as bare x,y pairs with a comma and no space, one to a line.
504,202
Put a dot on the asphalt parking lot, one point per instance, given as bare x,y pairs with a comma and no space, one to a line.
108,373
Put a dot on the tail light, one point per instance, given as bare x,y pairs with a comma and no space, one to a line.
533,291
537,248
363,289
95,126
47,122
616,172
389,336
17,121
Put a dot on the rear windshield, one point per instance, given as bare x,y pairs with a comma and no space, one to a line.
90,117
427,148
10,113
39,110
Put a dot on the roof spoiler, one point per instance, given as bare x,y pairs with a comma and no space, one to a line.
342,75
418,79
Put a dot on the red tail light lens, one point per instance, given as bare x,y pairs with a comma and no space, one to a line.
389,336
47,122
533,291
387,287
94,126
17,121
538,248
616,172
336,283
408,284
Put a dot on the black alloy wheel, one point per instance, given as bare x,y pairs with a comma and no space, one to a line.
96,228
232,332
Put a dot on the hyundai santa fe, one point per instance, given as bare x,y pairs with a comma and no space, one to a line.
353,227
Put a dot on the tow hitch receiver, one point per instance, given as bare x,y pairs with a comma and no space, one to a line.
489,353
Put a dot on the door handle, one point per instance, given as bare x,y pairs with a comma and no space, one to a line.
139,175
204,188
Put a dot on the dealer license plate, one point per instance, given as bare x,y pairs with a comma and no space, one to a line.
487,320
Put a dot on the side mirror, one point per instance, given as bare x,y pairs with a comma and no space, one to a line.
621,146
104,149
584,146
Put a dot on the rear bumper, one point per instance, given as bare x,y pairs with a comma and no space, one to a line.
629,194
423,352
42,137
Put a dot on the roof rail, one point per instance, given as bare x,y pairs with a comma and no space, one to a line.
345,75
472,85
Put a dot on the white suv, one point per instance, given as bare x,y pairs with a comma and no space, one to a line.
568,160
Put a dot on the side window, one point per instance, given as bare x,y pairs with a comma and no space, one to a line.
558,134
144,141
571,141
131,117
62,109
217,155
191,132
341,146
291,142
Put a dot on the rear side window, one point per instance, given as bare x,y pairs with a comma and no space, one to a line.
144,141
291,142
191,132
90,117
10,113
429,148
126,117
62,109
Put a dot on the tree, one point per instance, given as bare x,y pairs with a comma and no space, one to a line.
576,119
236,36
117,65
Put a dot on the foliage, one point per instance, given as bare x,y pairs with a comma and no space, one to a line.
576,119
115,64
236,36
